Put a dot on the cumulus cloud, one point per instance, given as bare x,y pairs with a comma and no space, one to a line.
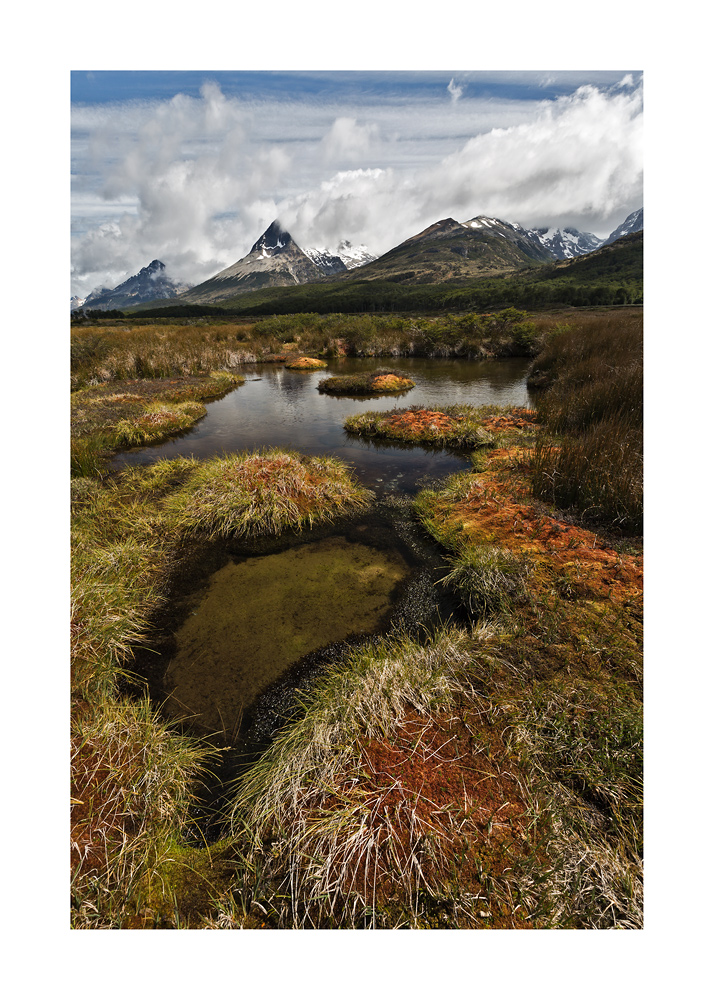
577,162
194,181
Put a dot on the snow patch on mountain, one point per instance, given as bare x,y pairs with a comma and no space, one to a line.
634,223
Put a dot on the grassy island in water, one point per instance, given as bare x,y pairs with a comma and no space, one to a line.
485,775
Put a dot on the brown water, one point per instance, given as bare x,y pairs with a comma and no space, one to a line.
257,616
257,626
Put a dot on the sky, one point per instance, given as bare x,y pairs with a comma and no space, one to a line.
191,167
41,77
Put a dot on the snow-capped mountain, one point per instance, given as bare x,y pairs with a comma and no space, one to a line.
328,261
276,259
523,239
569,242
353,256
76,303
566,243
150,283
344,257
634,223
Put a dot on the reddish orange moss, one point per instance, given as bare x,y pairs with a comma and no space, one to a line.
488,514
391,383
421,421
451,776
518,417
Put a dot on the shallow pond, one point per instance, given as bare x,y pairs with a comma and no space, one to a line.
251,623
284,408
260,615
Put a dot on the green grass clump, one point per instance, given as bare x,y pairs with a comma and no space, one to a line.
132,777
110,416
379,381
159,420
264,493
488,579
306,364
581,743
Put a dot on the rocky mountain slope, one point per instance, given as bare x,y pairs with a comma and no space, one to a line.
449,250
148,285
634,223
274,260
567,243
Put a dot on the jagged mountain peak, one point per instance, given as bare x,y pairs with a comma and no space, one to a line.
634,223
274,240
149,283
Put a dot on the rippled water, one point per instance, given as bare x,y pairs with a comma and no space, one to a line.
284,408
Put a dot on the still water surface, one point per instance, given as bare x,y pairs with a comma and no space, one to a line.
278,407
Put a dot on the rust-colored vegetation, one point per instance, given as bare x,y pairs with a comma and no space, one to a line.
377,382
305,364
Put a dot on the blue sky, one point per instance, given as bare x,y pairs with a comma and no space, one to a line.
192,166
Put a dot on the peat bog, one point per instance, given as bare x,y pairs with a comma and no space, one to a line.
359,665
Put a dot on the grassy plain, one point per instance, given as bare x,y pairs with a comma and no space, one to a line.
489,775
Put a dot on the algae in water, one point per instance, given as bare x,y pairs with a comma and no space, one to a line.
262,614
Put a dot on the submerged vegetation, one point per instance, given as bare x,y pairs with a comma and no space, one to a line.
486,774
133,775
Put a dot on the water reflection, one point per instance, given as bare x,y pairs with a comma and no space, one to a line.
277,407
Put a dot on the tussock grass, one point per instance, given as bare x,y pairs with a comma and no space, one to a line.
159,420
583,751
306,364
132,774
129,414
458,426
377,382
329,847
594,399
567,692
489,580
265,493
131,792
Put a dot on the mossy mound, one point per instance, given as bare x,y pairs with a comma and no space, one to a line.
369,383
306,364
458,426
264,493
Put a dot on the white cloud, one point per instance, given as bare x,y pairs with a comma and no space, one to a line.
194,181
455,90
349,142
577,162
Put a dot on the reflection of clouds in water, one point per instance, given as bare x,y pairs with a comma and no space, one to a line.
286,410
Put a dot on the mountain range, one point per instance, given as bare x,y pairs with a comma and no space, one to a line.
149,284
446,250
